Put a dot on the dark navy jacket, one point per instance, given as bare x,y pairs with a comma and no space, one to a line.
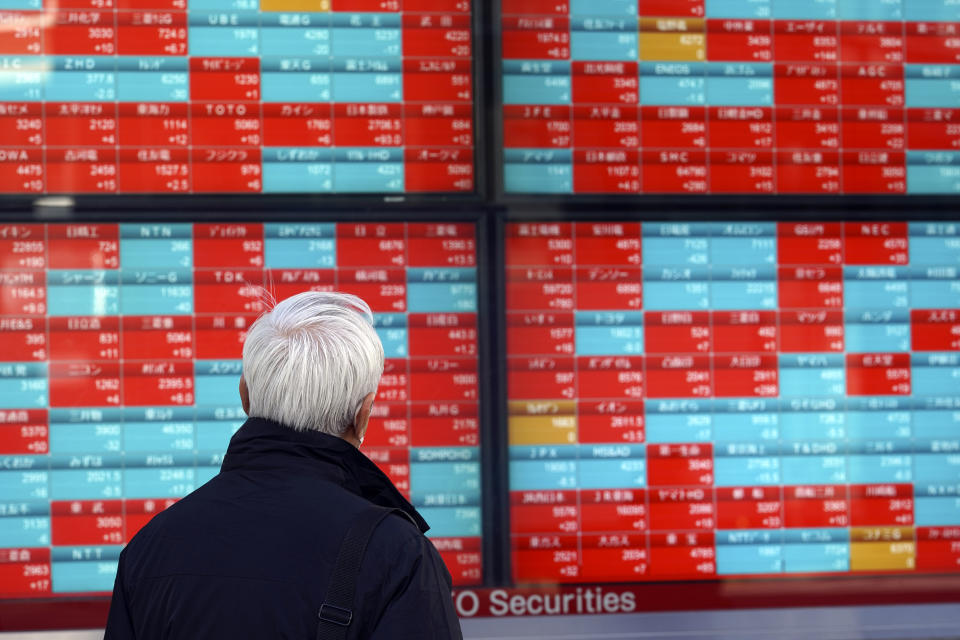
249,554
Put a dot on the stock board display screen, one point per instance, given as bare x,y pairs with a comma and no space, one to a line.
700,400
731,96
121,359
237,96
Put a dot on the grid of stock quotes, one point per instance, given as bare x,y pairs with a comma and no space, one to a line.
236,96
693,401
731,96
121,358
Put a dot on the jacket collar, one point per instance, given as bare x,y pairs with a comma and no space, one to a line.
262,443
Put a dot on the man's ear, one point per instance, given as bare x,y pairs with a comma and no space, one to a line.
244,396
355,432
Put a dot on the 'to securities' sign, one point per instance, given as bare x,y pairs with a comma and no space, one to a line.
473,603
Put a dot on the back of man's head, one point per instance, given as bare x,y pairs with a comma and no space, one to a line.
309,362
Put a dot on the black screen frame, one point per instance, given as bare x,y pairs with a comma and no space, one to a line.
719,592
252,202
656,202
74,612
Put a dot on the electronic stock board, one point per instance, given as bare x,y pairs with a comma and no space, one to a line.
691,401
730,96
236,96
685,400
121,358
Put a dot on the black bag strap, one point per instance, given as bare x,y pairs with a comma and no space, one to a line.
336,613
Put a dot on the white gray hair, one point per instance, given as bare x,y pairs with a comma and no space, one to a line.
309,362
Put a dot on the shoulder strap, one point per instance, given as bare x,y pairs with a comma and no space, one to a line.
336,613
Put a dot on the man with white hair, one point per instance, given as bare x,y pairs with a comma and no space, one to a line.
299,535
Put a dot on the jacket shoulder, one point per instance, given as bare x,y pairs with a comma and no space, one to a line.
404,575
